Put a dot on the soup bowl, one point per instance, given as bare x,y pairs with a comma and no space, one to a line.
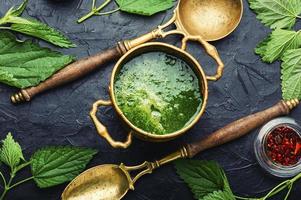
133,129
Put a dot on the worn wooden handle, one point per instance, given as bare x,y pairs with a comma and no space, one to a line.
71,72
240,127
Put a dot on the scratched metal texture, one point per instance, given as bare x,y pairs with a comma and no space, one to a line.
60,116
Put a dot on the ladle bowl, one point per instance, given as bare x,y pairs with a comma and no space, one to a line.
104,182
211,19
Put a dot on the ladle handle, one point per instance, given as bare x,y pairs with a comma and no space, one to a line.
102,130
70,73
240,127
211,51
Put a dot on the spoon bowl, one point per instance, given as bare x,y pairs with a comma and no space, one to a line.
103,182
211,19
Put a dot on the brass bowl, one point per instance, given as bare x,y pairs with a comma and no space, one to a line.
144,48
211,19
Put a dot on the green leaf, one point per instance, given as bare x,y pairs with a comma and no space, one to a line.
143,7
203,177
55,165
20,9
11,152
277,13
25,64
291,74
33,27
219,195
37,29
279,41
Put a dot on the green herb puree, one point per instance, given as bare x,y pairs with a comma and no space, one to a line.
158,92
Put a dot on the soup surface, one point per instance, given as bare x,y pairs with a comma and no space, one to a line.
158,92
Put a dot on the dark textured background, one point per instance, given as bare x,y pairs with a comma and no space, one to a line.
60,117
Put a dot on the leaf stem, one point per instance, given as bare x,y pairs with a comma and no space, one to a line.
20,182
107,13
244,198
93,11
276,189
4,181
93,4
288,192
5,28
6,188
22,166
14,170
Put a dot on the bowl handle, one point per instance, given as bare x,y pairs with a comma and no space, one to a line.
211,51
102,130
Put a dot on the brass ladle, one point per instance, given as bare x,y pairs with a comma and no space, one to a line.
112,182
202,21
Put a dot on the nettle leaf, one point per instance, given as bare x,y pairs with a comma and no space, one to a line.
11,152
19,10
279,41
143,7
219,195
55,165
291,74
203,177
24,64
37,29
277,13
33,27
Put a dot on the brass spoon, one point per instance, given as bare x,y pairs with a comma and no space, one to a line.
112,182
195,20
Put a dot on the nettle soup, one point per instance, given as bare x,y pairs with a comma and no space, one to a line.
158,93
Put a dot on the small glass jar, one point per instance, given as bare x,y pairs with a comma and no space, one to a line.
264,160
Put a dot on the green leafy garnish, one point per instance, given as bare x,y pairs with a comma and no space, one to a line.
140,7
42,31
204,178
281,44
291,74
11,152
12,21
50,166
279,41
55,165
24,64
219,195
17,12
277,13
207,181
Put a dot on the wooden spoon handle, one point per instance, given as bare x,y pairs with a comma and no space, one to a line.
240,127
71,72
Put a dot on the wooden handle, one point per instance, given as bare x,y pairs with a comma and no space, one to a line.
240,127
70,73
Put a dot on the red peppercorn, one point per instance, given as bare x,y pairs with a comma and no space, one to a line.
283,146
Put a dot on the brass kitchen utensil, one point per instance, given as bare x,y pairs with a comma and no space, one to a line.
112,182
142,134
201,21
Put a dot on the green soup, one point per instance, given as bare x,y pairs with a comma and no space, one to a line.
158,92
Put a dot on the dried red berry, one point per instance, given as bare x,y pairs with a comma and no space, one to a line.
283,146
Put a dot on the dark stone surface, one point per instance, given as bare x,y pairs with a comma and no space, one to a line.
60,117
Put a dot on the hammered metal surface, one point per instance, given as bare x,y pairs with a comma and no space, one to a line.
60,117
